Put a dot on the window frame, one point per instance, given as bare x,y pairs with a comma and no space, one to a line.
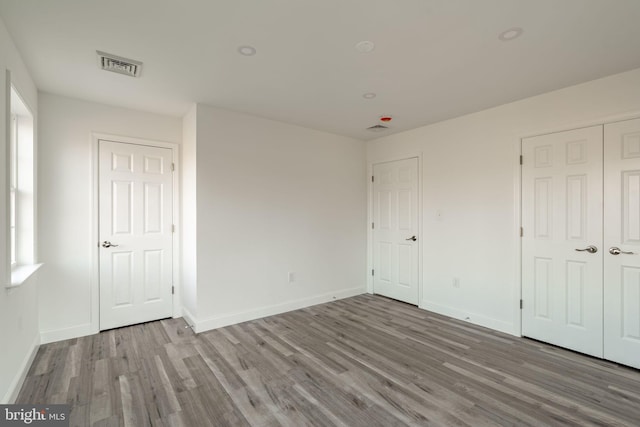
21,187
13,190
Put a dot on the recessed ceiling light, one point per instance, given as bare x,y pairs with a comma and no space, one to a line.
511,34
369,95
365,46
247,50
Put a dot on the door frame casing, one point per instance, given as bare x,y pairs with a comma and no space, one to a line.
95,220
604,120
370,209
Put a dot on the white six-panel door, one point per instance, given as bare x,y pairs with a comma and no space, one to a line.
622,243
561,217
135,227
581,188
395,222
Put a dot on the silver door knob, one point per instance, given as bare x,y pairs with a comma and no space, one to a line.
107,244
617,251
412,238
591,249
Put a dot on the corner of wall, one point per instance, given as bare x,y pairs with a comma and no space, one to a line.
245,316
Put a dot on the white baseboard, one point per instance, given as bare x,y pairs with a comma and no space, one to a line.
21,374
232,319
476,319
66,333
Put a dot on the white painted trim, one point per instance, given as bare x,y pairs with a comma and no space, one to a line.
7,179
55,335
517,239
370,166
130,140
369,230
94,315
95,232
21,374
17,275
630,115
22,273
244,316
177,307
476,319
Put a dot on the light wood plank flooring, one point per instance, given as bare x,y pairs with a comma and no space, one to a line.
363,361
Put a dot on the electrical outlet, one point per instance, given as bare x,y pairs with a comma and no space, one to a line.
290,277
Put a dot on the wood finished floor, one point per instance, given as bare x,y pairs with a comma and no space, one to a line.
363,361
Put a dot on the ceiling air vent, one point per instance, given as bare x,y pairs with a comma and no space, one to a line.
118,64
377,128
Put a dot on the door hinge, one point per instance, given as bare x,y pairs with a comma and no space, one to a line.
373,226
173,228
521,232
521,160
173,290
372,180
173,167
373,272
520,304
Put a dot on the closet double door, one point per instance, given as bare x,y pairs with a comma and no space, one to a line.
581,240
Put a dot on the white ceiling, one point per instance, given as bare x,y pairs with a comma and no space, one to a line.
433,59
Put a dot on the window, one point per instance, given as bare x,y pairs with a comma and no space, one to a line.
13,185
21,191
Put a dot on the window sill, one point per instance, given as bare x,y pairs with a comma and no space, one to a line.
20,274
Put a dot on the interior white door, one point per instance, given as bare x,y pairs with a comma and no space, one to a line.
562,192
395,230
135,226
622,243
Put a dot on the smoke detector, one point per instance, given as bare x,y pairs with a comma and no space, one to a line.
365,46
511,34
377,128
118,64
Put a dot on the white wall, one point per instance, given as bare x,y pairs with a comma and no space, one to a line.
67,245
189,218
470,174
18,307
273,198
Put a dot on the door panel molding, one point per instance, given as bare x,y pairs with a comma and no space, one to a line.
370,200
396,210
94,324
619,243
622,231
124,209
561,287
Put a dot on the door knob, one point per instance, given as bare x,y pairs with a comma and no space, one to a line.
412,238
617,251
591,249
107,244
